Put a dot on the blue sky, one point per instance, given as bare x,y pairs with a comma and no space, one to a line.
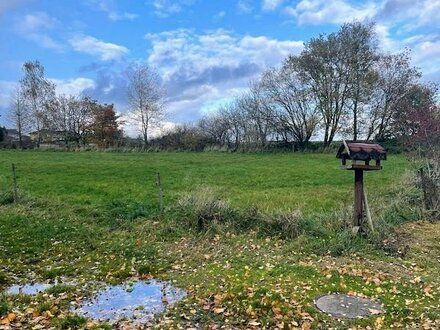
206,51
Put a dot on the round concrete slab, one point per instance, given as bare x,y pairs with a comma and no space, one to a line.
346,306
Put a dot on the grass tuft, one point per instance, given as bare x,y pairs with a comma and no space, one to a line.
71,322
4,306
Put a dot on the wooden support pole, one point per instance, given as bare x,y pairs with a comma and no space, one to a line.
367,212
358,196
159,192
14,184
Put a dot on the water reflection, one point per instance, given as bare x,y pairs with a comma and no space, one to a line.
33,288
137,302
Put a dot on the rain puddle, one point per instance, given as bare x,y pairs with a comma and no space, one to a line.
33,288
137,302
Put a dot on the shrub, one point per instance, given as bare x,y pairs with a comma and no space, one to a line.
204,209
71,322
286,225
4,306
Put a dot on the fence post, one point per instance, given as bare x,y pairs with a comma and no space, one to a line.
14,184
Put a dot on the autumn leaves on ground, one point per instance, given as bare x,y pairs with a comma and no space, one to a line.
254,239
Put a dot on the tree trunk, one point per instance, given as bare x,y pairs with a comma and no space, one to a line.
355,127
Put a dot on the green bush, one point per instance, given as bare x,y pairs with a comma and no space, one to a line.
205,209
4,306
71,322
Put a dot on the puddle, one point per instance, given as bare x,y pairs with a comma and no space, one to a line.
137,302
28,288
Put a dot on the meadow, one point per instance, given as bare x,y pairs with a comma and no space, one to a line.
253,238
309,182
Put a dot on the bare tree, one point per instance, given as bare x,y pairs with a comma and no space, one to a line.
360,46
295,110
145,98
320,66
396,77
215,127
38,91
338,67
257,115
19,113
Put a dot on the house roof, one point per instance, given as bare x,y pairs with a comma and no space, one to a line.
361,151
11,131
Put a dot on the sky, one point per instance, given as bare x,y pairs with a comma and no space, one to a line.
206,51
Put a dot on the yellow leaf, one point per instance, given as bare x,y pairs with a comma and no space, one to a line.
219,310
306,326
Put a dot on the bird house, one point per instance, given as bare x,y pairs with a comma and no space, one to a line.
358,156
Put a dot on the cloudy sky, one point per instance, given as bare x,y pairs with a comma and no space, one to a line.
206,51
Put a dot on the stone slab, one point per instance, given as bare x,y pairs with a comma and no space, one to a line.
348,306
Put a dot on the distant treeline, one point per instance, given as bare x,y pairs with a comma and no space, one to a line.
342,85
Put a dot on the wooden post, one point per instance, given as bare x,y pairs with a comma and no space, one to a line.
14,184
367,212
358,196
159,192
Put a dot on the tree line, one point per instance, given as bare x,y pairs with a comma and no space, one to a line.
340,85
37,110
78,120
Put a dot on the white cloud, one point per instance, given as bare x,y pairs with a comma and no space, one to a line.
105,50
35,27
111,9
165,8
75,86
186,53
386,42
198,68
316,12
36,22
220,15
244,7
45,41
409,14
6,89
271,4
133,128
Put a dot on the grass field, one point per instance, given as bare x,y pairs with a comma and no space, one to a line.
93,217
310,182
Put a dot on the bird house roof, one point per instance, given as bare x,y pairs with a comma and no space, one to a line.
361,151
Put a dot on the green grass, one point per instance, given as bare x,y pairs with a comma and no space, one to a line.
88,218
310,182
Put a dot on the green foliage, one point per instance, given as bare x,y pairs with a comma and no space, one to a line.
71,322
4,278
4,306
43,307
59,288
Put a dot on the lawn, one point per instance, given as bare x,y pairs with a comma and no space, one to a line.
310,182
92,218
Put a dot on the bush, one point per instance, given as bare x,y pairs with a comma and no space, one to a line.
286,225
4,306
205,209
71,322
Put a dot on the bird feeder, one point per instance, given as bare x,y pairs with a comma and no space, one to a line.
360,157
